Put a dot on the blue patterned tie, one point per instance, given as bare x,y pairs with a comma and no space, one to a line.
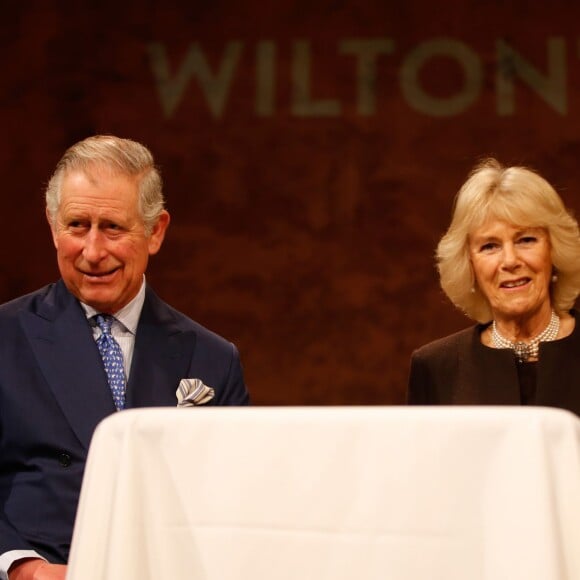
112,356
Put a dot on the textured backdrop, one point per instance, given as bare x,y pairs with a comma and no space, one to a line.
310,152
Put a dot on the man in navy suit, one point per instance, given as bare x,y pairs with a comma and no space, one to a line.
105,207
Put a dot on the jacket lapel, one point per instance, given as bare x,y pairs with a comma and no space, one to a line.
161,358
67,355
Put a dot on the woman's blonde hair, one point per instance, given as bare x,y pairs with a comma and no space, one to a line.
518,196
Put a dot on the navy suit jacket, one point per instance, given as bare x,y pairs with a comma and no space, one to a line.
54,392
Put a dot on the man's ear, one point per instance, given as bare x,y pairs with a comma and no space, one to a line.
158,232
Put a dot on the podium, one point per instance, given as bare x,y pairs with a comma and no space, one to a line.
331,493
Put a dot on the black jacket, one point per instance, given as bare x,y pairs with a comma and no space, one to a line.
460,370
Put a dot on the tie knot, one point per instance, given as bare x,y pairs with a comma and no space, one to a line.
104,322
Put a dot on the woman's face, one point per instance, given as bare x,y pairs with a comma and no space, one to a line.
513,268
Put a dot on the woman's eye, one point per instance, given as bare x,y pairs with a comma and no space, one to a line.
488,247
527,239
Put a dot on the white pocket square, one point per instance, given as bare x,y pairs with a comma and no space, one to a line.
192,392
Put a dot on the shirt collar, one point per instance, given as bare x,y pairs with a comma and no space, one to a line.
129,315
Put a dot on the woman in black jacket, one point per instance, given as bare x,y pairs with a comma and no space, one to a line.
510,260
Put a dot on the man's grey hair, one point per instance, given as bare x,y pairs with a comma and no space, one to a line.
119,155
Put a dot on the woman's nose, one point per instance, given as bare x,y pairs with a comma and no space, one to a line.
510,256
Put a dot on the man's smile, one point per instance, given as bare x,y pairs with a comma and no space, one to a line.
99,275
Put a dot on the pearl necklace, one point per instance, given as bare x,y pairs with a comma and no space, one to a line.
527,350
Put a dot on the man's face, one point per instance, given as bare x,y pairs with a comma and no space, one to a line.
101,244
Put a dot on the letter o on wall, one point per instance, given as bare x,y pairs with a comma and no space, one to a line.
415,94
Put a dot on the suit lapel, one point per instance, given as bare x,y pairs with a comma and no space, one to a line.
161,358
67,355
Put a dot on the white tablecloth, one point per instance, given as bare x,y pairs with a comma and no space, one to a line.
331,493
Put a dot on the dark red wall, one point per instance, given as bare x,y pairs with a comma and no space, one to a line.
310,150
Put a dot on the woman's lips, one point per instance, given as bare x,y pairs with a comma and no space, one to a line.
509,284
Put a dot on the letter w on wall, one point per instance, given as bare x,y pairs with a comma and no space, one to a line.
215,87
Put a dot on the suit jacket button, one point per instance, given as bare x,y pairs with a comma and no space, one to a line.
64,459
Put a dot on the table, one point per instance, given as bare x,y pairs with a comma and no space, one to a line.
331,493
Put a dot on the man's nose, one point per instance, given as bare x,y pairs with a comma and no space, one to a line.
94,248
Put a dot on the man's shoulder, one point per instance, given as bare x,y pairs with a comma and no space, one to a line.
180,321
188,324
30,301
